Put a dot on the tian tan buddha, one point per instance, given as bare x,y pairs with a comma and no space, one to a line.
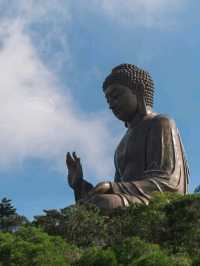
149,158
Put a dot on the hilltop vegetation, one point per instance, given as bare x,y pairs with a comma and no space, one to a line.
167,232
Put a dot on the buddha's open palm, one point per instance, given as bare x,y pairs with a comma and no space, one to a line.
75,172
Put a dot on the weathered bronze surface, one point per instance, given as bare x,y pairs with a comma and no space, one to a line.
149,158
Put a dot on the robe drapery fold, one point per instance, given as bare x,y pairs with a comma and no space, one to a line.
150,158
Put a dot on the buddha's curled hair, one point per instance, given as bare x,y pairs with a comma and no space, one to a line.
130,75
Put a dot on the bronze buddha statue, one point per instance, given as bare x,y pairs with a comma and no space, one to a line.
149,158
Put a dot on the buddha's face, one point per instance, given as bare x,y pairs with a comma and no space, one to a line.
122,101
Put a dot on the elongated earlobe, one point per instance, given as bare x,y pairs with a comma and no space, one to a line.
142,108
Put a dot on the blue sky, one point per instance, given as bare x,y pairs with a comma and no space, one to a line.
54,56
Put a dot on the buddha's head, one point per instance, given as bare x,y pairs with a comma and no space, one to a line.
129,90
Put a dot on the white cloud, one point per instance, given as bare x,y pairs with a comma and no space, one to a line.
149,13
36,121
45,21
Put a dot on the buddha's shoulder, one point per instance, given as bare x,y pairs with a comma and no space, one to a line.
160,120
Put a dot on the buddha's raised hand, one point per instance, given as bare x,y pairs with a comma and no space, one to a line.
75,172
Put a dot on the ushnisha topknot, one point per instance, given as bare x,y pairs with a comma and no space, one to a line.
130,75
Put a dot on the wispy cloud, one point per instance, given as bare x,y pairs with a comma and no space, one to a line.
36,119
46,23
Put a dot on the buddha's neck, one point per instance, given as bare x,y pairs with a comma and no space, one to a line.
137,118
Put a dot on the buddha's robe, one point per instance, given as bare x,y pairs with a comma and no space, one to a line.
149,158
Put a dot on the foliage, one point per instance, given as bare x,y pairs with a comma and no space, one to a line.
154,259
135,252
80,225
166,232
155,223
10,220
31,246
6,208
133,248
183,225
98,257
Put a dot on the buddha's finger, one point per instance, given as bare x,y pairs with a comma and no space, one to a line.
69,158
75,156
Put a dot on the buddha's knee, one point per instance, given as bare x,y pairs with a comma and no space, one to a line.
107,201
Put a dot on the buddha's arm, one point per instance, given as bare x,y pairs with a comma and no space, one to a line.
82,189
163,165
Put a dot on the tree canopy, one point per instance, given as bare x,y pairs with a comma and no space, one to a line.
10,220
166,232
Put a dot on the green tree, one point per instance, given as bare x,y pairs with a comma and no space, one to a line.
6,208
183,225
10,220
51,222
154,259
133,248
31,246
80,225
98,257
171,221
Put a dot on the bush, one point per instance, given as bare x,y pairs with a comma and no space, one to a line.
170,224
183,225
82,225
182,260
196,261
154,259
31,246
98,257
133,248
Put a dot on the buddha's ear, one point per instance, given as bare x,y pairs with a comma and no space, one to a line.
142,108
